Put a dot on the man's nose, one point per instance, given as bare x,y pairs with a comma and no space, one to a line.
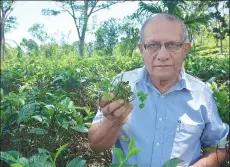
163,54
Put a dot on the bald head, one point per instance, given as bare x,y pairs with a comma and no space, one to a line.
168,17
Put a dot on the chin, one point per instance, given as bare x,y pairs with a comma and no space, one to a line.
165,77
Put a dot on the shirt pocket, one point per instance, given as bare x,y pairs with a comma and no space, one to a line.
187,138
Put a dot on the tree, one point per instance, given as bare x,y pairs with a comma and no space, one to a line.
6,22
107,36
30,46
37,31
192,13
80,11
164,6
129,36
221,28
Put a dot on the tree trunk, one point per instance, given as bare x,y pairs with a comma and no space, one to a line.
2,41
89,51
221,46
3,44
81,47
2,18
217,42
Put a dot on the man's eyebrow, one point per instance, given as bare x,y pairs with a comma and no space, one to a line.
173,41
153,41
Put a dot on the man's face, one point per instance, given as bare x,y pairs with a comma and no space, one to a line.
162,63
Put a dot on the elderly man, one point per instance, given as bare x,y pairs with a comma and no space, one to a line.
180,115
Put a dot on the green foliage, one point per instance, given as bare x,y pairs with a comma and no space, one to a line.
80,13
42,159
221,95
172,162
142,97
76,162
107,37
132,150
47,100
129,37
10,24
37,31
123,91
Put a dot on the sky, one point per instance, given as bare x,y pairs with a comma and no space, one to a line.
29,13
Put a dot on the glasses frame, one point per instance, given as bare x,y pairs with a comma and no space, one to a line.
166,46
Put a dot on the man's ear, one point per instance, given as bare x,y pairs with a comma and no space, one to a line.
187,47
140,48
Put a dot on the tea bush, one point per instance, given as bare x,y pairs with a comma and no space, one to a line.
48,100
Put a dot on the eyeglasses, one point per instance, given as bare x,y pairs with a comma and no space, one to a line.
170,46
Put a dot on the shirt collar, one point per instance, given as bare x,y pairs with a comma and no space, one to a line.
183,82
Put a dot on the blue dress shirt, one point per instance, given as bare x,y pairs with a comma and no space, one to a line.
174,124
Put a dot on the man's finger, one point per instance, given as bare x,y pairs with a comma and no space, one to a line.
111,107
123,111
103,102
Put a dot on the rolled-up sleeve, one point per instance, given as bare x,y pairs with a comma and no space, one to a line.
215,131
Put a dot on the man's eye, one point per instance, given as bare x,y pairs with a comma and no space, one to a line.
172,45
154,45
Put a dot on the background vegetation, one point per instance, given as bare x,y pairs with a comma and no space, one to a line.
49,91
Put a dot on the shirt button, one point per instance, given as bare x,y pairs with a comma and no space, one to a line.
157,144
162,96
160,119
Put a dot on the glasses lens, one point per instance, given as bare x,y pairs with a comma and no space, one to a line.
152,47
173,46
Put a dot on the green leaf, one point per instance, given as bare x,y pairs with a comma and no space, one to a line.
125,138
38,158
23,161
66,102
172,162
119,154
49,111
141,105
127,165
15,154
131,143
58,78
133,152
38,131
16,165
114,165
7,157
43,151
80,129
42,164
76,162
25,112
106,84
107,96
39,118
59,151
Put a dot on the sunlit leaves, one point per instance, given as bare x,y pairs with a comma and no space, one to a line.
172,162
26,112
77,162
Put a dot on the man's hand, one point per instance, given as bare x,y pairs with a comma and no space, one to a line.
117,111
211,158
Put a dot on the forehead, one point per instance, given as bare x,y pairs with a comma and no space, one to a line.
162,30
